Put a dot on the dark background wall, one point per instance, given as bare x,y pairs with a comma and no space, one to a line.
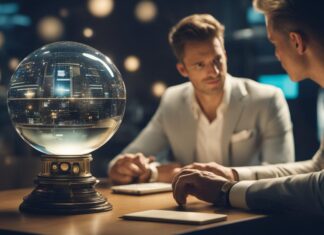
119,35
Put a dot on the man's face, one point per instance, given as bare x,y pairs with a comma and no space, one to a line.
286,52
204,63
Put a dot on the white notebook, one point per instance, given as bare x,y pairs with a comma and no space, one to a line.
182,217
143,188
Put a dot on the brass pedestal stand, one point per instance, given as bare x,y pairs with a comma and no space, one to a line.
65,186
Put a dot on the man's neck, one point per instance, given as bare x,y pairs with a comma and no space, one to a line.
318,73
316,64
209,104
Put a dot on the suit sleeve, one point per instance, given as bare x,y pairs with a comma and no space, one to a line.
281,170
306,176
152,139
277,144
300,193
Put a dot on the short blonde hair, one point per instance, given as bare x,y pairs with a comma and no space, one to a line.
270,5
302,16
197,27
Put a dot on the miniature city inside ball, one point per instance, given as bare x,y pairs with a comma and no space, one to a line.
66,99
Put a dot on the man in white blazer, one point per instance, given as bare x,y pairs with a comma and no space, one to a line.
295,28
213,118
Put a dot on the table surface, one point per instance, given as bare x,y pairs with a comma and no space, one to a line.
110,222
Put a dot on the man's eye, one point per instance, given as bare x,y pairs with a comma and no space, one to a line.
199,65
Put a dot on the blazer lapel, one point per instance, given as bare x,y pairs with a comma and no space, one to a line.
232,116
189,127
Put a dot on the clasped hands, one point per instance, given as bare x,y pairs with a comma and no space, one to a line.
131,168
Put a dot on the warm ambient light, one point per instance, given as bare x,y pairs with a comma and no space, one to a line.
29,94
64,12
13,63
158,89
146,11
87,32
100,8
132,63
50,28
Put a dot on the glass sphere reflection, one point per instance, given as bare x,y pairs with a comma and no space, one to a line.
66,98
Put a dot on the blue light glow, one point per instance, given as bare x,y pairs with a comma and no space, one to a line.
289,88
8,8
254,17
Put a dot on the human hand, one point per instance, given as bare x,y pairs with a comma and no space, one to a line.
166,172
204,185
215,168
131,168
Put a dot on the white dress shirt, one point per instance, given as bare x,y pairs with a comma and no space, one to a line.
209,134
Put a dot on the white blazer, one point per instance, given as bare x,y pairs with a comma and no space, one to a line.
257,126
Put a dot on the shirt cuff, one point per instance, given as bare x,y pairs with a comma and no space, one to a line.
154,171
244,173
237,194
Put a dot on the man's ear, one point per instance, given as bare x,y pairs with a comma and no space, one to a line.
298,42
182,69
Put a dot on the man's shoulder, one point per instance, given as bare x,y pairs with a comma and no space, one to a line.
255,89
177,97
178,91
180,87
260,100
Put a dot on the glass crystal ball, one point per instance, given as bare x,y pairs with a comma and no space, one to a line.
66,99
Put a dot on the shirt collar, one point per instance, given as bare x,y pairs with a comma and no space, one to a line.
223,105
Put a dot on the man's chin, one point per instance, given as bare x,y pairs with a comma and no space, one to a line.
297,79
216,89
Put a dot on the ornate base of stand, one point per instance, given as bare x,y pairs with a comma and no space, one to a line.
65,186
